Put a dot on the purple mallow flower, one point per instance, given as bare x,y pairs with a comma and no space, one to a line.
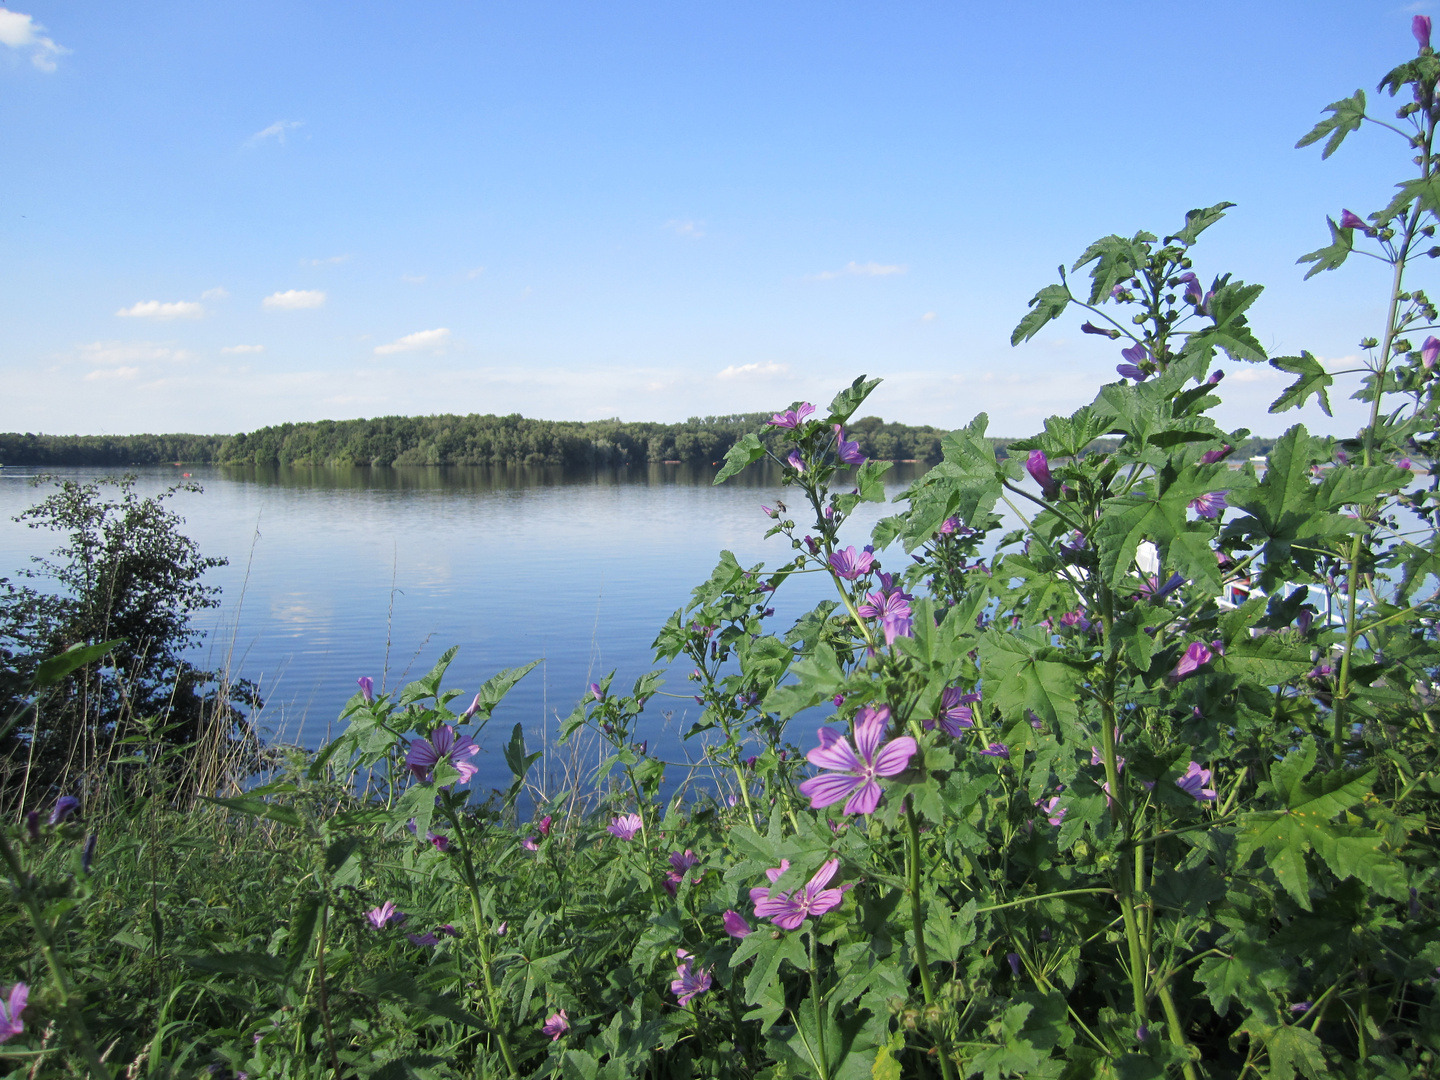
1151,587
424,941
1054,812
789,910
735,924
1090,328
792,418
1194,781
64,807
851,564
1210,457
1039,468
955,712
367,687
853,777
555,1025
1209,505
891,607
1351,220
1076,619
1428,352
680,861
440,840
1420,27
1194,292
1134,356
10,1010
443,745
1013,959
625,826
796,461
383,914
847,452
689,981
1196,657
596,692
996,749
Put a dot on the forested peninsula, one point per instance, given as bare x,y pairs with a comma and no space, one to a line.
469,440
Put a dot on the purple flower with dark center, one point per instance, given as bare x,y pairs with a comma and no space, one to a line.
367,687
996,749
1150,587
1091,328
10,1010
1209,505
64,807
1210,457
955,712
443,745
792,418
1039,469
851,564
1054,812
1196,657
1428,352
1420,27
1194,781
848,452
87,853
383,914
440,840
424,941
689,981
735,924
796,461
625,826
789,911
853,776
555,1025
680,862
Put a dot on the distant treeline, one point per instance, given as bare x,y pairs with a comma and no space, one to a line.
468,440
452,440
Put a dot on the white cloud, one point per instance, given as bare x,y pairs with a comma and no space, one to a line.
217,293
113,373
854,269
1253,373
326,262
163,312
929,316
692,229
414,279
735,372
473,274
294,299
275,131
421,339
235,350
23,32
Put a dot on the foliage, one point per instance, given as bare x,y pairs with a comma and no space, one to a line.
1145,787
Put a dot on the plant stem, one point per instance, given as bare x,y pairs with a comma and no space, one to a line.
917,925
482,937
320,979
824,1061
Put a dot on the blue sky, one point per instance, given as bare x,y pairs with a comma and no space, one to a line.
217,216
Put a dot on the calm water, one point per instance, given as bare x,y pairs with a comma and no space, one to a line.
511,565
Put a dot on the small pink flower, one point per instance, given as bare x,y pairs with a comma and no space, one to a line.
735,924
383,914
789,911
625,826
529,844
10,1010
1194,781
792,418
1209,505
853,777
1054,812
544,826
851,564
1196,657
689,981
557,1024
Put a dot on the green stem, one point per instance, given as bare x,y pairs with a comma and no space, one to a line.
917,926
823,1064
482,936
1177,1036
321,988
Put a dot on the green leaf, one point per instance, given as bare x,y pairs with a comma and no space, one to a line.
745,452
818,677
518,761
1347,116
1115,259
870,479
1197,221
54,669
1231,330
301,933
1354,485
429,686
1047,305
1334,254
256,965
1313,379
1291,1048
497,686
394,984
1016,678
844,404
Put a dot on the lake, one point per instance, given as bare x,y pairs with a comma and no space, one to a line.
338,573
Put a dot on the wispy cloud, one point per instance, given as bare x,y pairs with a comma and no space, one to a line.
929,316
333,259
413,279
22,32
854,269
276,131
473,274
113,373
752,370
235,350
217,293
294,300
163,312
694,230
421,339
